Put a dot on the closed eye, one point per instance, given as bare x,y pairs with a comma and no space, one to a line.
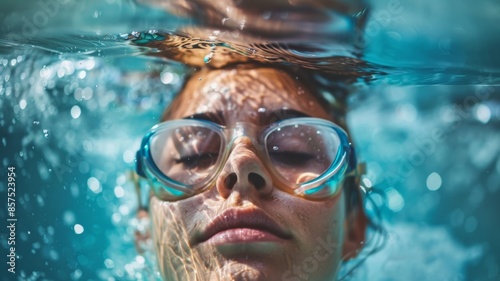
291,158
198,161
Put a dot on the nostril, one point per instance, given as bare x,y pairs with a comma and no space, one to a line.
230,180
257,180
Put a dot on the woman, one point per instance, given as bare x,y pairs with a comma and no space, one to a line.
251,180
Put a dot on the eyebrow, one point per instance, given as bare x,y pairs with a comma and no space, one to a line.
280,114
265,117
216,117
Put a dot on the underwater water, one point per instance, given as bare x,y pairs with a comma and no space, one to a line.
81,82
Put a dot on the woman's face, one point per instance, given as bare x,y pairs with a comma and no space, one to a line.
303,240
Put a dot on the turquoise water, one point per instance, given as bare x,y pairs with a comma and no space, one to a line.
79,89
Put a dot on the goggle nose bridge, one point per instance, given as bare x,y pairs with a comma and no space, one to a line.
243,129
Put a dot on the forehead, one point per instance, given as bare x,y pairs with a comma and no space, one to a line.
238,95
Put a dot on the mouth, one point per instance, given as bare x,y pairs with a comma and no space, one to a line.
237,226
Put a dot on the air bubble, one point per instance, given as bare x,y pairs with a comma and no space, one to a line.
109,263
167,77
367,183
140,259
82,74
87,93
395,201
434,181
78,228
75,111
94,185
22,104
483,113
119,192
68,217
76,274
128,156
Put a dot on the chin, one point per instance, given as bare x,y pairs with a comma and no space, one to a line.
235,270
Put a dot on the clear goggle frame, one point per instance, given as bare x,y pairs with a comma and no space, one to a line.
306,156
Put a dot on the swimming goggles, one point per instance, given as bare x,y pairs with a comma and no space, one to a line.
305,156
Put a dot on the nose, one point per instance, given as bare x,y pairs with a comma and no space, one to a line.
244,172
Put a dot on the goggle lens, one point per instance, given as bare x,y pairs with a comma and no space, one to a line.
301,153
186,154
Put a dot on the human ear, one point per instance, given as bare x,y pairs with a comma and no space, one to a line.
356,221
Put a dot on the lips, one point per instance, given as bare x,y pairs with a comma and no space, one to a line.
242,225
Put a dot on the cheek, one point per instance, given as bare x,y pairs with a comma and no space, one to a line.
173,223
318,226
316,216
170,239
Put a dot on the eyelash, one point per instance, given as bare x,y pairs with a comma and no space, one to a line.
191,160
292,157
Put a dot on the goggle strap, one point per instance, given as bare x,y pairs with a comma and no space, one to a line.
352,162
360,169
141,191
139,169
